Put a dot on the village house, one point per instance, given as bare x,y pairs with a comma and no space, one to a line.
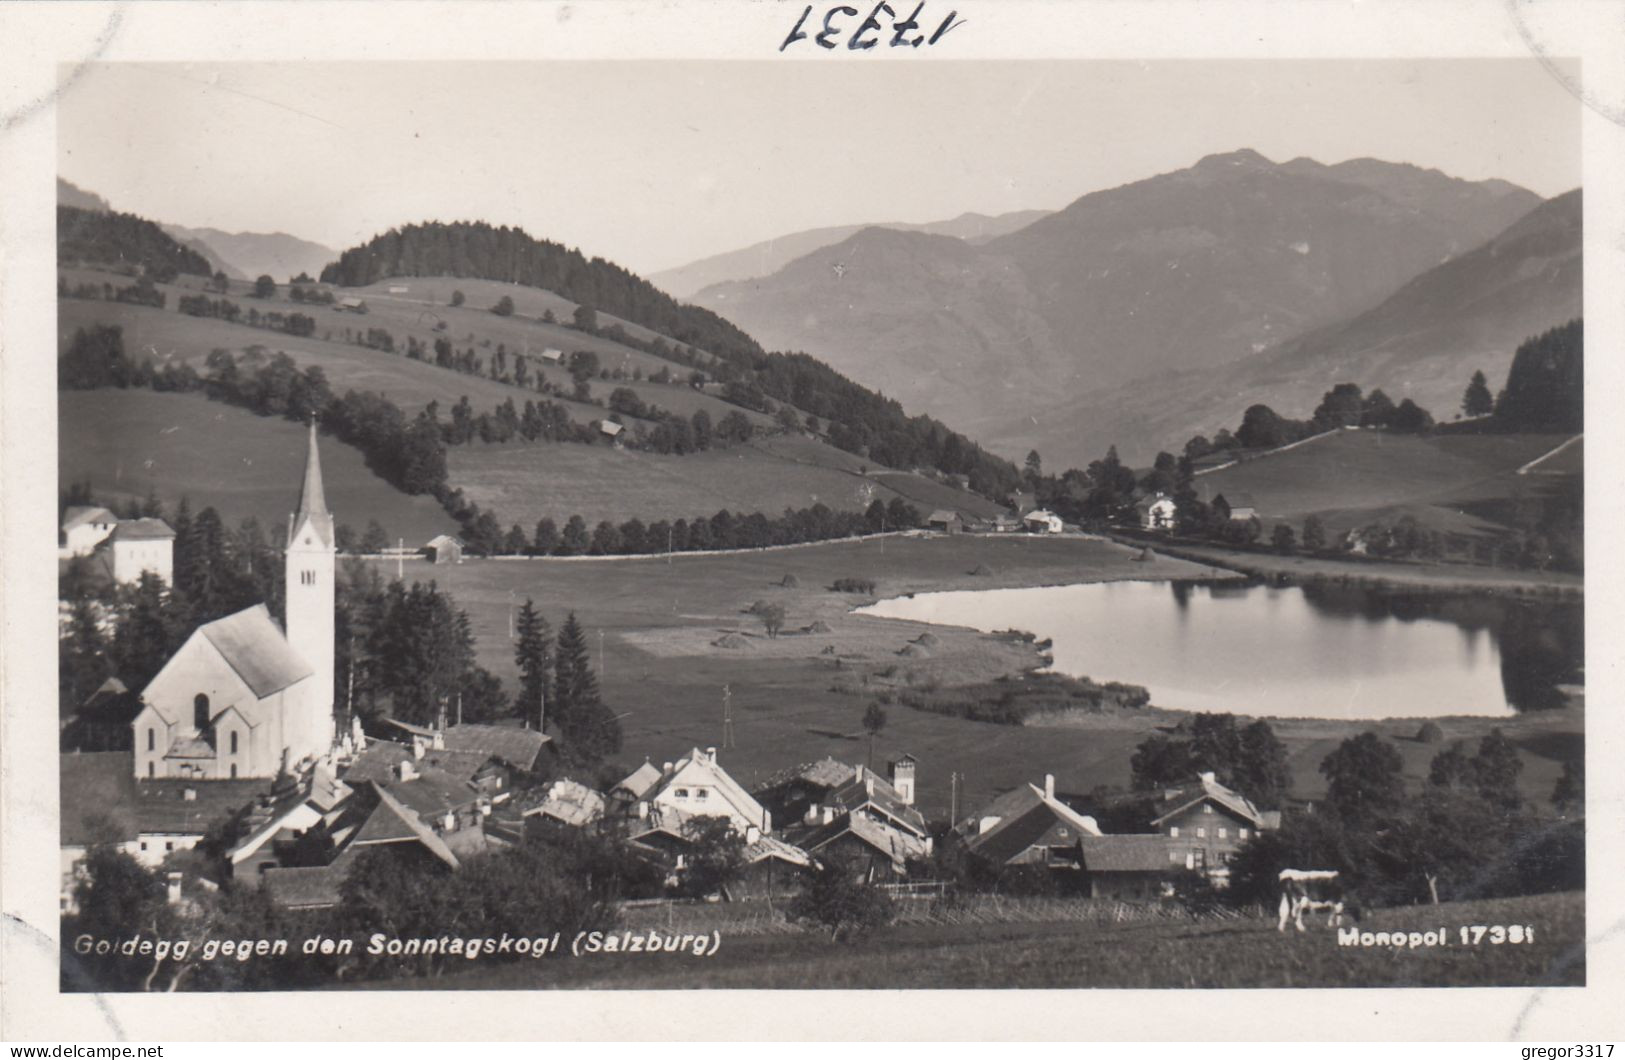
1206,823
866,819
946,521
444,549
1156,513
350,304
1028,826
83,528
695,786
1130,867
562,804
553,356
140,546
279,820
241,698
1042,521
789,794
611,432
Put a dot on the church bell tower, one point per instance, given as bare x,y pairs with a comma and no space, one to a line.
309,576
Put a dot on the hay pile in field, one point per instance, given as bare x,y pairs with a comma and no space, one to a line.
982,571
928,640
731,640
915,651
790,581
820,626
1145,556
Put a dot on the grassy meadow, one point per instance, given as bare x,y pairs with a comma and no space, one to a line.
1447,482
129,442
1156,953
670,635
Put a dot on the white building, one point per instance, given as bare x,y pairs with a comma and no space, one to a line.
139,546
83,528
1042,521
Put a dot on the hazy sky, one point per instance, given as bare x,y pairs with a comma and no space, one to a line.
655,164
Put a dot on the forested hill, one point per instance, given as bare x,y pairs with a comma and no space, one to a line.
123,239
859,420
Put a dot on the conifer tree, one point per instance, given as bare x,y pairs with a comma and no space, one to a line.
533,654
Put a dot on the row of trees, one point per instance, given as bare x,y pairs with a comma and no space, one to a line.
482,535
142,292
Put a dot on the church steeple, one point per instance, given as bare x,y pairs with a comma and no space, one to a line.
309,582
312,499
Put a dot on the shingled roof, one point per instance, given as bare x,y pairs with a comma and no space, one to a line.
82,515
1127,853
142,530
1209,788
517,747
256,648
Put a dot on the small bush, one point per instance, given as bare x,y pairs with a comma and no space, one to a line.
1429,732
864,586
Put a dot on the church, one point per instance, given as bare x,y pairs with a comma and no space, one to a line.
242,698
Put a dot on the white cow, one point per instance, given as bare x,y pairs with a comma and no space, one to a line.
1311,891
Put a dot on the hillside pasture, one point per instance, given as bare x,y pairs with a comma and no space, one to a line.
524,483
167,333
1144,951
1353,478
127,443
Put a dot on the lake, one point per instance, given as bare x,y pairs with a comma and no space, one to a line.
1315,651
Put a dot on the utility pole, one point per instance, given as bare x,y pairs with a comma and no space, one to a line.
953,798
601,673
400,559
510,614
727,717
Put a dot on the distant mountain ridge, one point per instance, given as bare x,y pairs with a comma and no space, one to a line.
70,194
1422,342
246,255
768,256
1180,271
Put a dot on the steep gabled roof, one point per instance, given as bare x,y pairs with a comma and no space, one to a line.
83,515
894,843
641,782
870,789
1014,835
568,802
1234,801
827,772
257,650
702,765
143,530
391,822
942,515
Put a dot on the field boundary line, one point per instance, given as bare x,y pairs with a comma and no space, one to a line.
1272,452
1541,459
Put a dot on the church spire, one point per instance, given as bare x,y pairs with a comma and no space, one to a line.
312,498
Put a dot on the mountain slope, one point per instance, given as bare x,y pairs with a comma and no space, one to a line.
1422,342
246,255
1187,269
71,194
769,256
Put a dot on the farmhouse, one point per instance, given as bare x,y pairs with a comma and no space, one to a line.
1042,521
350,304
137,547
874,846
696,786
444,549
1029,826
945,521
553,356
1156,513
1128,866
564,803
1237,508
241,698
611,431
790,794
279,819
83,528
1207,823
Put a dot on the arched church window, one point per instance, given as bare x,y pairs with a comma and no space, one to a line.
152,741
234,751
200,712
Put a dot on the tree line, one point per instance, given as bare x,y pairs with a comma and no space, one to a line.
126,240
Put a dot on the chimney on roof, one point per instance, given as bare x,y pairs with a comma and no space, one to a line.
1209,778
753,834
829,814
419,748
869,785
857,771
902,778
407,771
710,754
1049,785
665,769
